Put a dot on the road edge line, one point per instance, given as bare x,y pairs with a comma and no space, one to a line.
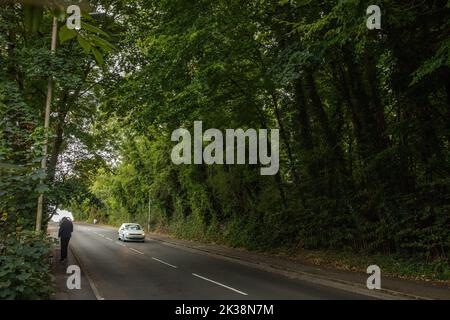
94,288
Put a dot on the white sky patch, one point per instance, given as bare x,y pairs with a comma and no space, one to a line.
62,214
76,151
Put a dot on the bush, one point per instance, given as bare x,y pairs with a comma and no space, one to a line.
25,266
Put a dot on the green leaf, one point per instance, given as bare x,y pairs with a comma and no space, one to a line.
84,44
98,57
103,44
66,34
93,29
86,16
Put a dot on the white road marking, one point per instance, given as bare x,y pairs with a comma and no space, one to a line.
109,239
120,244
220,284
163,262
94,288
135,250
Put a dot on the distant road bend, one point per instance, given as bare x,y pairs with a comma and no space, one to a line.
153,270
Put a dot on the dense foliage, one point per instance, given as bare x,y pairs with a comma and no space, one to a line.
26,65
25,266
364,119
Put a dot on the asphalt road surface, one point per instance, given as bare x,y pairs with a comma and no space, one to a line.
153,270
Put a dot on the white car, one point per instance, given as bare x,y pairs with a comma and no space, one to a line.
131,232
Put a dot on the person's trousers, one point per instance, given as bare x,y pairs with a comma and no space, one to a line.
64,246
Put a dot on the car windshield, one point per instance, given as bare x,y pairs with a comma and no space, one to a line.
133,227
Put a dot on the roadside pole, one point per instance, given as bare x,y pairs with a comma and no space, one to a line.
48,103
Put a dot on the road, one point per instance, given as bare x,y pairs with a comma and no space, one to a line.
153,270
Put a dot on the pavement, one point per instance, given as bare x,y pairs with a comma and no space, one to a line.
60,275
167,268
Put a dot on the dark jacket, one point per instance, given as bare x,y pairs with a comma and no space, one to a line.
65,229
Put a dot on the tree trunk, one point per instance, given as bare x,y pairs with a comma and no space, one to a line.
286,139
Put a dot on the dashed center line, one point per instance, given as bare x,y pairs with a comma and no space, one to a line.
220,284
163,262
135,250
172,266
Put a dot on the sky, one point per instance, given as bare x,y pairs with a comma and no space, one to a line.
61,214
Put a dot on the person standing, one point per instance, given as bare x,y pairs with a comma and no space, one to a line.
64,233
